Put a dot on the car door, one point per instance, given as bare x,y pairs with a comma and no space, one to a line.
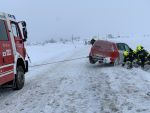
18,39
121,49
6,54
127,47
6,50
3,38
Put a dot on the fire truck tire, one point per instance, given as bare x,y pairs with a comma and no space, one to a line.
19,78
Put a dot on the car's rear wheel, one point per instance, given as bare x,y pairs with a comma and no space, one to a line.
91,60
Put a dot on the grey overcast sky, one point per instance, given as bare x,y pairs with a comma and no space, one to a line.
85,18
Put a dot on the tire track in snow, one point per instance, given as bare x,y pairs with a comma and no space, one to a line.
73,95
100,84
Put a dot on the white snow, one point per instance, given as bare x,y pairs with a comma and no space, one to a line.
40,54
134,41
77,86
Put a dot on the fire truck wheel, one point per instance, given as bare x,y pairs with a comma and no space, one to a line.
19,78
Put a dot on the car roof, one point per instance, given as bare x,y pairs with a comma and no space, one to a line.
114,41
104,41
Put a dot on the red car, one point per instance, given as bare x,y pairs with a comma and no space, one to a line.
109,52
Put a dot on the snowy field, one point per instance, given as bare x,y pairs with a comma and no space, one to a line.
77,86
132,42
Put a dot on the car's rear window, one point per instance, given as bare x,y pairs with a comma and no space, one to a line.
104,45
120,46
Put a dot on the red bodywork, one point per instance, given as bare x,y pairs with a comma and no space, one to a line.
104,49
7,57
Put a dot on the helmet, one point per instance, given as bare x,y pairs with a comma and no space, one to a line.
125,53
139,48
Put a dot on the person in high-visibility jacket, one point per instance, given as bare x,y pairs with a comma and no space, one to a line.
128,57
148,59
141,55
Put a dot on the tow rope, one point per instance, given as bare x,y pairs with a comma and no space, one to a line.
59,61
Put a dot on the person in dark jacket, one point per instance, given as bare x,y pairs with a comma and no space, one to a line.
135,59
92,41
142,55
148,59
128,58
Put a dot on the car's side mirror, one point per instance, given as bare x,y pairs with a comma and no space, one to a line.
25,33
24,30
23,23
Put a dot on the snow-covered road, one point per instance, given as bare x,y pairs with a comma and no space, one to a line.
79,87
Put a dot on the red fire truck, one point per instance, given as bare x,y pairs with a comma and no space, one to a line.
13,65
